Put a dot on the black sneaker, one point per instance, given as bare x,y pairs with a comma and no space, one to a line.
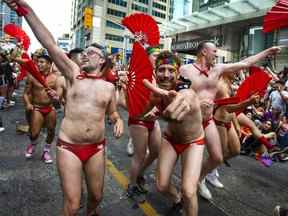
280,211
141,181
176,209
134,192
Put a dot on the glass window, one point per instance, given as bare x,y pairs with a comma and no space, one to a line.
159,6
139,8
115,12
158,14
114,37
118,2
205,4
114,25
142,1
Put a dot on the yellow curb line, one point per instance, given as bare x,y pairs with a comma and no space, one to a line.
123,181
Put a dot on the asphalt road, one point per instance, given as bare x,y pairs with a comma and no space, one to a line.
31,188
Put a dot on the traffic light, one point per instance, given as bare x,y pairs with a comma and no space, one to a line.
88,18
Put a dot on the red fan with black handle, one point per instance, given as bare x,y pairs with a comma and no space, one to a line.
144,28
277,17
17,32
140,68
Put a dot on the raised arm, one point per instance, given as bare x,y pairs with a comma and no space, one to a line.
68,67
241,106
248,62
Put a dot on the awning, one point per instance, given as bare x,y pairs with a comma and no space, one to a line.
236,10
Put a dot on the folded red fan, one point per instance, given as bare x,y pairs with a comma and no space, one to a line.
140,68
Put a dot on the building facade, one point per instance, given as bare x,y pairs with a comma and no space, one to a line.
7,16
234,25
106,26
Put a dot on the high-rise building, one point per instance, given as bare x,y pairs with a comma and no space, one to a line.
182,8
7,16
106,27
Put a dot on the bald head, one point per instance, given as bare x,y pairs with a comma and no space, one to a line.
205,44
208,51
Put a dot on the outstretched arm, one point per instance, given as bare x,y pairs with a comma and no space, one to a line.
248,62
68,67
241,106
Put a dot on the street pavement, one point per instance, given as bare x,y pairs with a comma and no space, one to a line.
31,188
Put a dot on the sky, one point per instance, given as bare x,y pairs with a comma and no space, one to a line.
55,14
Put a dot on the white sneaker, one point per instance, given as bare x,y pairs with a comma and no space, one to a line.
214,181
212,178
130,147
2,129
217,173
204,191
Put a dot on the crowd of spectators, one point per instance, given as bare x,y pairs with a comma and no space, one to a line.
270,115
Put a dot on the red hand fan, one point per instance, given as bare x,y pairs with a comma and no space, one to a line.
140,68
31,67
257,82
144,28
18,33
277,17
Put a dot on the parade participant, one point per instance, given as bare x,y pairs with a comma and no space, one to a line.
39,103
82,134
145,134
225,118
204,75
184,139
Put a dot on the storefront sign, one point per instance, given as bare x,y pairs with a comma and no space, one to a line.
193,44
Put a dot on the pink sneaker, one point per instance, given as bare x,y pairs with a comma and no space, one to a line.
47,157
29,151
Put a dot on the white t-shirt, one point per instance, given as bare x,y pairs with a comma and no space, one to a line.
277,101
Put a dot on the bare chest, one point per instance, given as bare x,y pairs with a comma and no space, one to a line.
201,82
50,81
88,93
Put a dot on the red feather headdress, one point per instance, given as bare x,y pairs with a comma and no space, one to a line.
144,28
277,17
18,33
140,68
